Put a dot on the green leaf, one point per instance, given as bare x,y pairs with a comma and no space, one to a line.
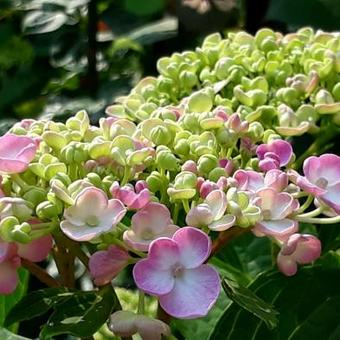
308,304
246,299
8,301
143,8
82,314
37,303
5,334
244,258
323,14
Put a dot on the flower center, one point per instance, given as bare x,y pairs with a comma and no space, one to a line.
322,182
148,235
177,270
92,221
266,214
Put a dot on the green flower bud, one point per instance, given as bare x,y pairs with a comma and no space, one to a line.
99,148
216,174
222,67
255,131
74,153
94,179
157,182
118,155
49,210
199,102
323,97
182,147
227,137
34,195
188,79
54,139
160,135
53,169
206,163
165,84
7,224
60,191
166,160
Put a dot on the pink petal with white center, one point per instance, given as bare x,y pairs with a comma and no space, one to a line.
164,252
226,222
276,179
154,218
217,202
281,229
194,246
37,250
90,201
194,293
137,242
332,197
268,164
199,216
152,279
248,180
106,264
8,278
278,205
326,166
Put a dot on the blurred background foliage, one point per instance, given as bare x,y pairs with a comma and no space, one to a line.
59,56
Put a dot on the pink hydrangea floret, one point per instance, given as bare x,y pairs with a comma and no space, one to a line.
147,224
175,272
298,249
91,215
274,155
134,198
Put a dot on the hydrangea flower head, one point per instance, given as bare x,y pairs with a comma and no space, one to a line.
175,272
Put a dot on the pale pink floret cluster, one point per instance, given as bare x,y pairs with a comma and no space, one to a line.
175,272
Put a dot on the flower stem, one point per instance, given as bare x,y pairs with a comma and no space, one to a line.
19,181
186,205
329,220
312,213
141,306
305,205
40,273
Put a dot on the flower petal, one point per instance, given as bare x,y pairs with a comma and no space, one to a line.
194,246
153,218
152,279
193,294
217,202
8,278
280,229
226,222
286,265
106,264
332,197
37,250
249,180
